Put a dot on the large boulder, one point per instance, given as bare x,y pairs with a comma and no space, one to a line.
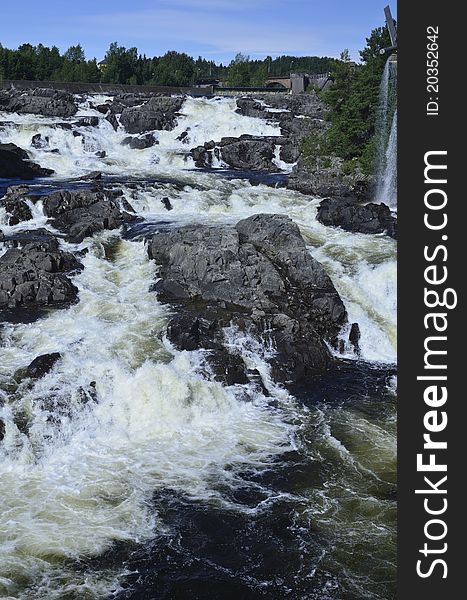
140,143
42,365
257,276
88,121
279,106
352,216
79,214
41,101
35,274
15,164
76,213
329,177
159,112
247,152
15,202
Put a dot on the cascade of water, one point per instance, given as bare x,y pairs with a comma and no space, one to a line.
386,137
156,423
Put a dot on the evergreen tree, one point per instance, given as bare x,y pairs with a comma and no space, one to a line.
353,102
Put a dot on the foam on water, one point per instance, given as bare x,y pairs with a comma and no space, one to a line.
362,267
204,119
122,414
83,476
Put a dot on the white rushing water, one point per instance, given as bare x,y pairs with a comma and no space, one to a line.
83,475
204,119
122,413
386,137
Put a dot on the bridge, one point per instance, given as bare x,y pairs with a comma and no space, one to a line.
298,82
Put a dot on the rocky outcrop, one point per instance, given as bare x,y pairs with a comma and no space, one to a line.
140,143
329,177
41,101
248,153
257,276
348,214
15,202
15,164
297,115
254,154
280,106
79,214
90,121
36,274
119,103
41,365
159,112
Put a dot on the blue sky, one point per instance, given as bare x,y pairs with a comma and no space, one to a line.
215,29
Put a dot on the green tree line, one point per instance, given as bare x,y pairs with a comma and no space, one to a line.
127,66
353,103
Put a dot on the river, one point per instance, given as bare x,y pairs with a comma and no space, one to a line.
165,484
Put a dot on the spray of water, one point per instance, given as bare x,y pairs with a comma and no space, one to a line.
386,137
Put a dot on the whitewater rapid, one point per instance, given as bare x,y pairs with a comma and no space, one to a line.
123,413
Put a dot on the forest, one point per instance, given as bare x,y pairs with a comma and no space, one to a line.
122,65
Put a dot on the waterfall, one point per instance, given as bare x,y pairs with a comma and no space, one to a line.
386,137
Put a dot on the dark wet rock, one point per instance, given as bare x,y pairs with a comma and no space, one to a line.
201,157
36,275
87,393
92,176
306,105
289,153
140,143
41,101
65,126
91,121
183,137
41,237
283,105
100,154
190,331
166,202
102,108
127,100
250,153
39,142
2,429
354,337
348,214
329,177
79,214
16,205
42,365
251,107
5,124
257,276
158,113
112,119
15,164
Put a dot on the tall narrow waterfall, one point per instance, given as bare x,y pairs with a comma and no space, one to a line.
386,134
